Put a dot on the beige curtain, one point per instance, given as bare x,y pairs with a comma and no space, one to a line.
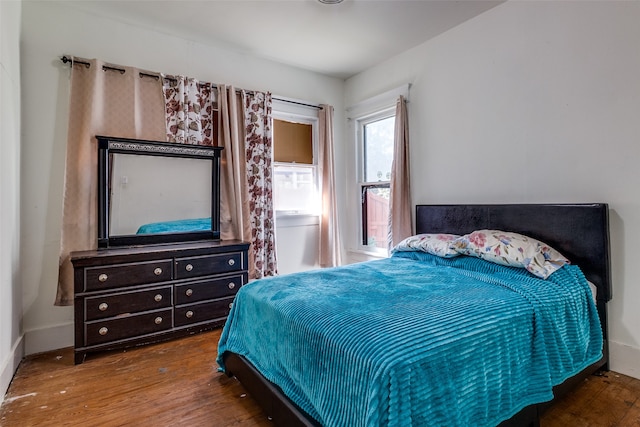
330,247
246,211
400,198
102,102
234,208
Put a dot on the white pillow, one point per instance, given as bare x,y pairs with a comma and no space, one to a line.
512,249
435,244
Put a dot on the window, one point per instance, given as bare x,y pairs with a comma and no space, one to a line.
372,131
295,185
375,135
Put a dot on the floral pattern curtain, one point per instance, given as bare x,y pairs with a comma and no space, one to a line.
247,189
259,173
190,110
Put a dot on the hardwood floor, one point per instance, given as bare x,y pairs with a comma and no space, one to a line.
176,384
611,399
169,384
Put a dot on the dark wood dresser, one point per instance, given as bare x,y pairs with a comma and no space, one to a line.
138,295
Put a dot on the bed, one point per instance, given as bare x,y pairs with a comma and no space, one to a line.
378,362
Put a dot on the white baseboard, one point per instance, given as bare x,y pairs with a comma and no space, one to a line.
624,359
11,365
47,339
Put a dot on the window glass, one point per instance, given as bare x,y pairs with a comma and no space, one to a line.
375,212
294,189
378,149
295,182
377,134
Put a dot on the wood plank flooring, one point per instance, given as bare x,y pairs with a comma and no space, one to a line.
176,384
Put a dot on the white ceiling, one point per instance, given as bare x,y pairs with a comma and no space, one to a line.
338,40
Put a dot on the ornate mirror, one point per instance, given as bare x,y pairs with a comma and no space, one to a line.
156,192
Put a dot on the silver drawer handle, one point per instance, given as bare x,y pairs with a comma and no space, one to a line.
103,306
158,320
230,304
103,331
231,262
158,298
157,271
188,267
103,277
189,314
231,285
188,292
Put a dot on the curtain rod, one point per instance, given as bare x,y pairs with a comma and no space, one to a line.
65,59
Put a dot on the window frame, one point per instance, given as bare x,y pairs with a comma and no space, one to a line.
303,116
362,185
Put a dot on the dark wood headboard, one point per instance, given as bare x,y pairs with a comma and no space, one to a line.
578,231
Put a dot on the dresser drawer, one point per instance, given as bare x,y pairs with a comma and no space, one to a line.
119,275
209,264
103,331
132,296
127,302
202,312
208,289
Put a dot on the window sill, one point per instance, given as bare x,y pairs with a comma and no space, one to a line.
296,220
365,255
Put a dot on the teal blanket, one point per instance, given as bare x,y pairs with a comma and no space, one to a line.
177,226
416,340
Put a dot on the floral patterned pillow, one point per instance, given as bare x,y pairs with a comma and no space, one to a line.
511,249
435,244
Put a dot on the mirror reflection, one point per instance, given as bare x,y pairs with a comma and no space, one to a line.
155,194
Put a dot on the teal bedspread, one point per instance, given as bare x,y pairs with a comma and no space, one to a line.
177,226
416,340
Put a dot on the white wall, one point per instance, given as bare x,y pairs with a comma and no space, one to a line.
50,30
528,102
533,102
11,339
297,243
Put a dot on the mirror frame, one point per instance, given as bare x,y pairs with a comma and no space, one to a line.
111,145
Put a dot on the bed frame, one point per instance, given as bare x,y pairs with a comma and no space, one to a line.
578,231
